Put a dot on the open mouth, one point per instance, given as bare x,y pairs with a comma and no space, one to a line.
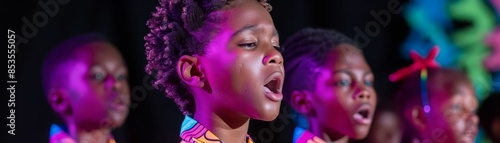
120,104
469,135
273,85
362,115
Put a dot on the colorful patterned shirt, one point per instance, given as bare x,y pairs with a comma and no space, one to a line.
194,132
301,135
58,135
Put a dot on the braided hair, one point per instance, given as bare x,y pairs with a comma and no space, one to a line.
177,28
304,53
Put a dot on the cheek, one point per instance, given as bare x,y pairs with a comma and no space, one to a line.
334,103
345,101
248,84
373,97
94,97
458,125
89,108
220,65
125,88
93,101
237,76
452,120
450,123
220,74
247,74
323,100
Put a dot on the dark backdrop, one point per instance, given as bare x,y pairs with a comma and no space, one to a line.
154,118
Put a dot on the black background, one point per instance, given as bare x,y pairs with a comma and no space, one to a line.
154,118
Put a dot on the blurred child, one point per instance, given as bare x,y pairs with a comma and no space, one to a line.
435,104
219,61
386,126
85,81
330,84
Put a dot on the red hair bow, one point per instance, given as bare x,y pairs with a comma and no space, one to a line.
419,63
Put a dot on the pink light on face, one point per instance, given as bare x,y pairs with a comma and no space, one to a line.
234,63
76,71
98,93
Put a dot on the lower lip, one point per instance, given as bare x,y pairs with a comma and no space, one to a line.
469,137
468,140
276,97
119,107
360,120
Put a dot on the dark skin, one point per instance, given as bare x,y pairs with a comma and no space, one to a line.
229,81
386,128
95,97
452,117
343,87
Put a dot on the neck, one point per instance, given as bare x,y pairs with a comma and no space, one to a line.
226,126
413,136
84,135
422,137
327,136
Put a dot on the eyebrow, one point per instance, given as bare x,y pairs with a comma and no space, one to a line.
118,67
350,73
252,27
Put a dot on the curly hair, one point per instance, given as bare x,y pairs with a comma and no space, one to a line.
305,51
180,27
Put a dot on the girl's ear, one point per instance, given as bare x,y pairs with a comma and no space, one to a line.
60,102
417,118
301,103
189,71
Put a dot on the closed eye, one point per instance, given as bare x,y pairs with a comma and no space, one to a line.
279,49
248,45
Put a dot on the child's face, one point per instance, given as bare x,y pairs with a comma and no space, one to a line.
344,98
242,65
386,128
454,114
97,87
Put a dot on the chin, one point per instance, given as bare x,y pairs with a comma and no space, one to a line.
356,133
267,116
267,119
360,135
270,117
117,123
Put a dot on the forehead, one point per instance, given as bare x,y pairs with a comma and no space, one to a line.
242,13
98,53
346,56
99,50
458,92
